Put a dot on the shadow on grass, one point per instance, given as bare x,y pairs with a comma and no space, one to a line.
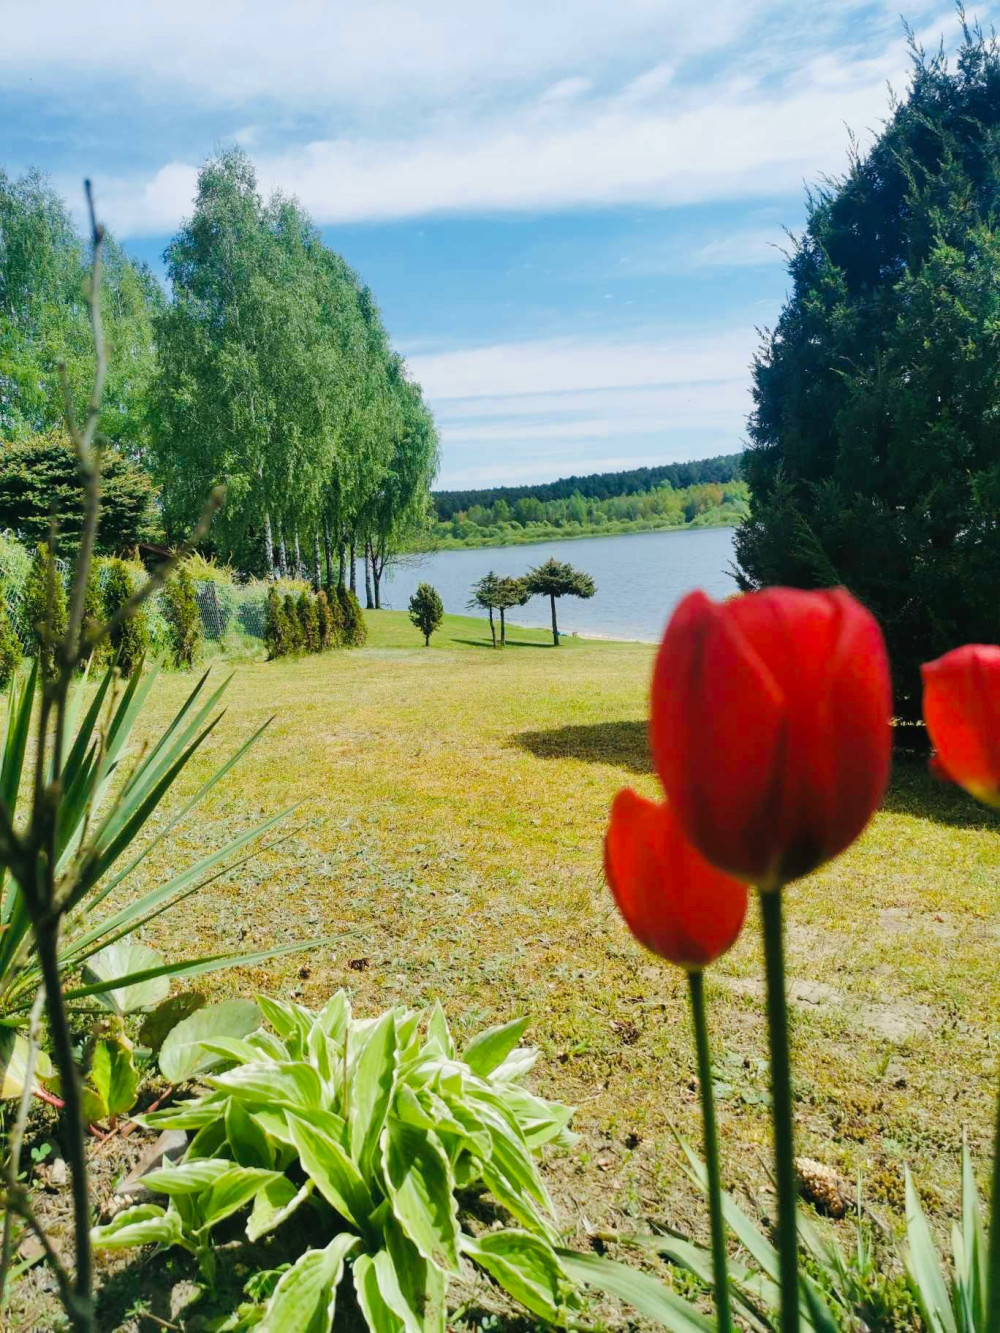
511,643
913,791
624,744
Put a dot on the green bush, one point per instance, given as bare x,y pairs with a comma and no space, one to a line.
130,639
277,635
93,612
180,609
296,639
308,622
385,1133
355,631
10,647
45,609
15,565
324,621
426,610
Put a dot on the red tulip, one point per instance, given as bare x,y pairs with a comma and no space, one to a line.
962,712
673,901
770,728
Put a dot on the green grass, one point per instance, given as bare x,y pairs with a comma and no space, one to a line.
453,807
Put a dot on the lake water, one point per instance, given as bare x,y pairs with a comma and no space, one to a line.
640,578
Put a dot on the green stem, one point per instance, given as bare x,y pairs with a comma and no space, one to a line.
781,1108
993,1270
696,981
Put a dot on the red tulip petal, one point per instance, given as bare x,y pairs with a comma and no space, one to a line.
962,712
672,900
716,725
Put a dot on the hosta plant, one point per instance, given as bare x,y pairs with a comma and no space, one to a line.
382,1132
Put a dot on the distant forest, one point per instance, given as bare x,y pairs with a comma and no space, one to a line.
596,486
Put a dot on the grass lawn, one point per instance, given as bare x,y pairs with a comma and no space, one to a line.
453,806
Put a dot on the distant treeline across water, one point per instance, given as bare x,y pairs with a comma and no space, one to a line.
595,486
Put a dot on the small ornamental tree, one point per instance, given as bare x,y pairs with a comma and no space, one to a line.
426,611
10,646
275,626
484,594
180,609
45,609
93,614
509,592
324,621
557,579
309,621
296,639
130,639
355,631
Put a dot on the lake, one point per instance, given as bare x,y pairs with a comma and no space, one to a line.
640,578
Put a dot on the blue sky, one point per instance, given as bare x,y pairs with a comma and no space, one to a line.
571,212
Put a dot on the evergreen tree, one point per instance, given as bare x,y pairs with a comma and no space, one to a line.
875,433
180,609
324,621
509,593
426,611
556,579
355,631
296,638
309,620
45,606
130,639
484,594
276,632
93,613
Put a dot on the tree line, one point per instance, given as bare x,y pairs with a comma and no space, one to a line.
268,368
595,486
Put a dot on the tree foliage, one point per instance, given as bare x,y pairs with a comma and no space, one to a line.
180,609
10,647
426,610
40,479
509,593
130,638
875,458
554,579
45,609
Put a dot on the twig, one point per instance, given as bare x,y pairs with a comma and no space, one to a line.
17,1135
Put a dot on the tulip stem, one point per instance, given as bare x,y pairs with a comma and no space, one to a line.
720,1270
993,1261
781,1107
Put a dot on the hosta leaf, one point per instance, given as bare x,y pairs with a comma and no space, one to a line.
305,1298
123,959
165,1017
520,1062
378,1314
187,1177
248,1142
439,1031
182,1056
146,1224
335,1016
646,1294
186,1115
334,1174
114,1075
413,1288
14,1064
371,1090
293,1084
527,1268
232,1190
291,1022
490,1049
273,1202
420,1183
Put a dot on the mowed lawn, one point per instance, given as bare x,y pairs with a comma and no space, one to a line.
453,803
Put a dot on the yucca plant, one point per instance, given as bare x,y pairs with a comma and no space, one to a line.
380,1131
951,1300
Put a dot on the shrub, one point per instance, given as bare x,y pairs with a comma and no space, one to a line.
309,622
10,647
296,639
129,640
324,621
277,635
44,585
426,610
15,565
355,631
395,1130
93,612
180,609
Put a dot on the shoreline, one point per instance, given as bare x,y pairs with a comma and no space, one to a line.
556,536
